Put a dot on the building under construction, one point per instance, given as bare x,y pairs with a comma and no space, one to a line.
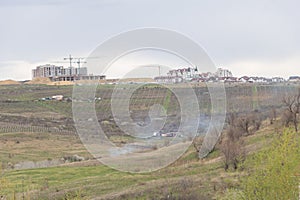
59,73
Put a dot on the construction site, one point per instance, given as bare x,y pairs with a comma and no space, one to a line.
60,73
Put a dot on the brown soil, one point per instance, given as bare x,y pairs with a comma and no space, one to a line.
39,81
9,82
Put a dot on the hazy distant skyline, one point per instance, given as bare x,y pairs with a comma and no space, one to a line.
248,37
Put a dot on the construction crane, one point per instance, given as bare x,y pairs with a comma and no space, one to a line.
70,59
79,61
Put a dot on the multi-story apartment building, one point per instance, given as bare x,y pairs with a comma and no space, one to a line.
52,71
59,73
223,73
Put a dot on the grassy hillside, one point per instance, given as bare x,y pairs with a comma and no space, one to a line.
35,132
89,179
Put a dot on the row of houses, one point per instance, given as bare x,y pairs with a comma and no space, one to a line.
244,79
221,75
211,79
192,74
247,79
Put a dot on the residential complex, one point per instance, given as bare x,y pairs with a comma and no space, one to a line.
221,75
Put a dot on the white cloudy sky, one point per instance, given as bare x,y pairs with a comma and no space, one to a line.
257,37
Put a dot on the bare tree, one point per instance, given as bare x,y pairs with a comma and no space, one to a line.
232,148
273,115
256,120
243,123
231,119
232,143
290,115
197,142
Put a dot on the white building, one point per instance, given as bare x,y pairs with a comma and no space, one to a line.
223,73
186,73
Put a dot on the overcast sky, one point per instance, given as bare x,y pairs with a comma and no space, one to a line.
257,37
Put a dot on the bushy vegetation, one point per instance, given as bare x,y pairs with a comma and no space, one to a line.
6,188
3,183
274,173
271,173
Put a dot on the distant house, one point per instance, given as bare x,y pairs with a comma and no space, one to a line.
231,80
244,79
221,79
252,80
206,75
294,79
199,80
277,80
269,80
262,80
212,79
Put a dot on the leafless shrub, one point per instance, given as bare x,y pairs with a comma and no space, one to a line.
246,124
256,120
273,115
232,144
197,142
243,123
287,117
231,119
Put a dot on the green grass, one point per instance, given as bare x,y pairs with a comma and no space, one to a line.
95,180
20,147
64,108
100,180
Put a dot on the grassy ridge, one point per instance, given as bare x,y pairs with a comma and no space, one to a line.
204,179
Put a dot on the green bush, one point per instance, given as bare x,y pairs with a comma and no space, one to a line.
273,173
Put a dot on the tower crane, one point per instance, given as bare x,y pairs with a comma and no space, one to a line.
78,60
70,58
